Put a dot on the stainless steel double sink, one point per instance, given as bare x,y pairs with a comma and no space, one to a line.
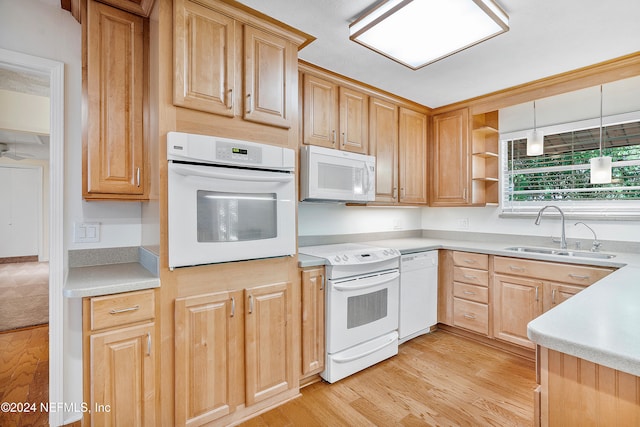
561,252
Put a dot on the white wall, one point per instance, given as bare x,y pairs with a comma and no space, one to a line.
317,219
487,220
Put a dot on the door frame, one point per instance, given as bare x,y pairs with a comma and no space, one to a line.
55,71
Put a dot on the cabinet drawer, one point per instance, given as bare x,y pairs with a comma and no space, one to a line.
471,292
121,309
471,276
557,272
471,315
468,259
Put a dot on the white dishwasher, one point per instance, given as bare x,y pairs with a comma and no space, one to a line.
418,294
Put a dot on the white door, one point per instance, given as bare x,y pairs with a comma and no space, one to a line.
20,211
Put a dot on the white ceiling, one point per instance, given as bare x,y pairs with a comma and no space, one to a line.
546,37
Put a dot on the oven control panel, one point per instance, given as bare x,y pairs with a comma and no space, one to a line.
238,153
350,258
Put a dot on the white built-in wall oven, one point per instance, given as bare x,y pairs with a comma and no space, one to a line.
362,300
229,200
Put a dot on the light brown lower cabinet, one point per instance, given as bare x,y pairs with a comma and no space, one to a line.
312,321
576,392
516,302
120,359
233,348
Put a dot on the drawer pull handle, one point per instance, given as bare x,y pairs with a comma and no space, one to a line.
516,268
469,276
233,306
468,293
148,343
124,310
553,296
469,316
469,261
578,276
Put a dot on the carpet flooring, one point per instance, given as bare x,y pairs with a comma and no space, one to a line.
24,294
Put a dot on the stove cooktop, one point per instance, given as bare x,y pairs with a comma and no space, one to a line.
350,253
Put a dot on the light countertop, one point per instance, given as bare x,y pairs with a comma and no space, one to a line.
108,279
599,324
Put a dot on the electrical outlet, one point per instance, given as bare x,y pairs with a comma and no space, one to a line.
396,224
463,223
86,232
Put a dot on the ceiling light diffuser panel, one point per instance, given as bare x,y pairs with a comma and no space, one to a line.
418,32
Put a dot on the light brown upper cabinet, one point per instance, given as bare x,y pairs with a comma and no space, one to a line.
114,79
450,181
224,66
335,116
412,143
139,7
383,143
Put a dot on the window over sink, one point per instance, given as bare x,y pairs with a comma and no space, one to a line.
561,175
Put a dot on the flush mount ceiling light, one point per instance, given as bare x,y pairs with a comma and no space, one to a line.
601,166
535,140
418,32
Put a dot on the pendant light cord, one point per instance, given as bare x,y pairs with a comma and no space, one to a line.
600,120
534,115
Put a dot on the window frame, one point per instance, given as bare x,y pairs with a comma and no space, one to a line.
588,209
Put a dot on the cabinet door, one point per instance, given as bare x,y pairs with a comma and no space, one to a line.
516,302
123,377
115,79
450,159
268,341
556,293
270,71
413,156
313,349
354,121
208,361
445,287
320,116
204,59
383,143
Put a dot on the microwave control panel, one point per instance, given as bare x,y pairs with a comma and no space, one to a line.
238,153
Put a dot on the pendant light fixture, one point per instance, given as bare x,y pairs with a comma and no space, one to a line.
535,140
601,166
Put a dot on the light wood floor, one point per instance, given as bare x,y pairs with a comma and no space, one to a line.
438,379
24,374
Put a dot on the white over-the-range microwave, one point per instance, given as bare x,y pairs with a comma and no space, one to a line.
334,175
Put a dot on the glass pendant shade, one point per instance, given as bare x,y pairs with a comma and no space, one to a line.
601,170
535,143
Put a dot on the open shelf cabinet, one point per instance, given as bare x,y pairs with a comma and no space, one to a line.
484,158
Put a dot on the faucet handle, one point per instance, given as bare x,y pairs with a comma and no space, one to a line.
595,246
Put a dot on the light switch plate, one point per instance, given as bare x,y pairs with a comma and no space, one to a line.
86,232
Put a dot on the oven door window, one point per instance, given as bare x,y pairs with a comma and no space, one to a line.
228,217
366,308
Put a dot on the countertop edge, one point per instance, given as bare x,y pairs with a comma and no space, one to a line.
109,279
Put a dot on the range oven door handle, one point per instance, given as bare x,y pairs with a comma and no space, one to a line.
213,172
367,284
366,353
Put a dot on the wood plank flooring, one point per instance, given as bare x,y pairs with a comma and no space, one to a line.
439,379
24,374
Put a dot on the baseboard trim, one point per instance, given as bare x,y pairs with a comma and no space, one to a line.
14,259
525,353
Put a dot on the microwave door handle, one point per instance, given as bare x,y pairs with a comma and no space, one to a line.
217,173
392,277
369,180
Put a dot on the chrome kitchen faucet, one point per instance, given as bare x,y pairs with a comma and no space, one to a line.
563,238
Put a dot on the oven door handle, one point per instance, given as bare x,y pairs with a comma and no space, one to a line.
392,277
207,172
366,353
